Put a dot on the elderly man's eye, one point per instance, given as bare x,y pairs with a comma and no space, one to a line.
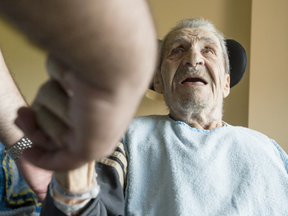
208,50
177,50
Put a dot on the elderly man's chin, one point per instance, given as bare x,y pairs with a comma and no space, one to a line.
190,103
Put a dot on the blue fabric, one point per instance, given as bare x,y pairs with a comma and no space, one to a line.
15,195
283,154
174,169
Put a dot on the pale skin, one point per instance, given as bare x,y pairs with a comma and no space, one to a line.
109,48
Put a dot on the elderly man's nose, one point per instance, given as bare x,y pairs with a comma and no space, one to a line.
193,59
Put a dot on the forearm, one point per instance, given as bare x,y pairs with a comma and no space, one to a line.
11,101
74,181
107,43
110,200
77,180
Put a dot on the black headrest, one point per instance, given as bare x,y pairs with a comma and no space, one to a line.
238,61
237,58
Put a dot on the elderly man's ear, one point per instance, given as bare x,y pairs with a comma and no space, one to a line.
226,89
158,83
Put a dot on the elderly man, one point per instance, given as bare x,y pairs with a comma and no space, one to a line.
189,162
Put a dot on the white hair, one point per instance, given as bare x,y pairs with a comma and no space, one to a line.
202,24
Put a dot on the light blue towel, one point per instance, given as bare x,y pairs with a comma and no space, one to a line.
174,169
15,195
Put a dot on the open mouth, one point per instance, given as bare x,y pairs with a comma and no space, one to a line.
194,80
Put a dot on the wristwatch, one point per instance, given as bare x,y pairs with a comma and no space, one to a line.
16,150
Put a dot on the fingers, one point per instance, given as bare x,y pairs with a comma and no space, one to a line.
49,121
26,121
52,97
58,72
60,160
46,153
51,126
51,112
55,70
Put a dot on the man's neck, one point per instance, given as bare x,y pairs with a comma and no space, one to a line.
204,119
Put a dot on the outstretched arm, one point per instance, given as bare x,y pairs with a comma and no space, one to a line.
111,47
107,43
11,99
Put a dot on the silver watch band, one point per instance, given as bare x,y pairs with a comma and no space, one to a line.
16,150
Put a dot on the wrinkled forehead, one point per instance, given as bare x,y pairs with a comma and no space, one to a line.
192,36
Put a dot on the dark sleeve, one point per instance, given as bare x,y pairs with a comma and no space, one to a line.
110,201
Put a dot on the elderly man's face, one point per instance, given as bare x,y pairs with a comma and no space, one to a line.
192,74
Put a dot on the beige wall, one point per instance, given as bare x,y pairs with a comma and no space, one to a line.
25,62
268,104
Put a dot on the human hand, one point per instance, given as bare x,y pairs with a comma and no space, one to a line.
70,122
46,123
